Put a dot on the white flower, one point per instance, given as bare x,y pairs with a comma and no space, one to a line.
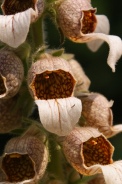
51,84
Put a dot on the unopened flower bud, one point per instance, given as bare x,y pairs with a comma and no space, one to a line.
83,81
10,117
97,113
86,149
25,159
11,74
51,84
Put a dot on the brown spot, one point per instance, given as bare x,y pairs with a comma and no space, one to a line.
89,22
96,151
53,84
18,167
11,7
2,86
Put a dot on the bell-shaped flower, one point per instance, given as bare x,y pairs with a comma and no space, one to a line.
24,159
15,23
79,23
11,74
89,152
96,112
51,84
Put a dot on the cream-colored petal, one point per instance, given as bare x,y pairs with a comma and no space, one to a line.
113,173
103,26
114,42
59,116
114,130
14,28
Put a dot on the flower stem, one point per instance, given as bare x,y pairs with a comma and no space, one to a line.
36,36
55,166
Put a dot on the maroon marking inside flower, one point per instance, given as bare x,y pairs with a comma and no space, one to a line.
11,7
53,84
18,167
97,151
89,22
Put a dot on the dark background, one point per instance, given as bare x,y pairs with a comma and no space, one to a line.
102,79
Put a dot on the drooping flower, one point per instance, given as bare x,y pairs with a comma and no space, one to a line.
15,23
51,84
89,152
97,113
24,160
11,74
78,22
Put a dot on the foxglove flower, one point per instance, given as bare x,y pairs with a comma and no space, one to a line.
11,74
97,113
24,160
51,84
15,23
78,22
89,152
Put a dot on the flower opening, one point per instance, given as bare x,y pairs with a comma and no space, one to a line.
21,167
11,7
53,84
96,151
89,21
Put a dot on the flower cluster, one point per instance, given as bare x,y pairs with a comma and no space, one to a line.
73,125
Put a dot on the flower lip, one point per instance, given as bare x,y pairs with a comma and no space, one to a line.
53,84
96,151
11,7
21,167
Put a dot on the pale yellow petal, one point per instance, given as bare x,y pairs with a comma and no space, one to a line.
14,28
114,42
103,26
59,116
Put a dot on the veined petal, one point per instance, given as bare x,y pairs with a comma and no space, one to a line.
102,26
113,173
114,42
59,116
14,28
